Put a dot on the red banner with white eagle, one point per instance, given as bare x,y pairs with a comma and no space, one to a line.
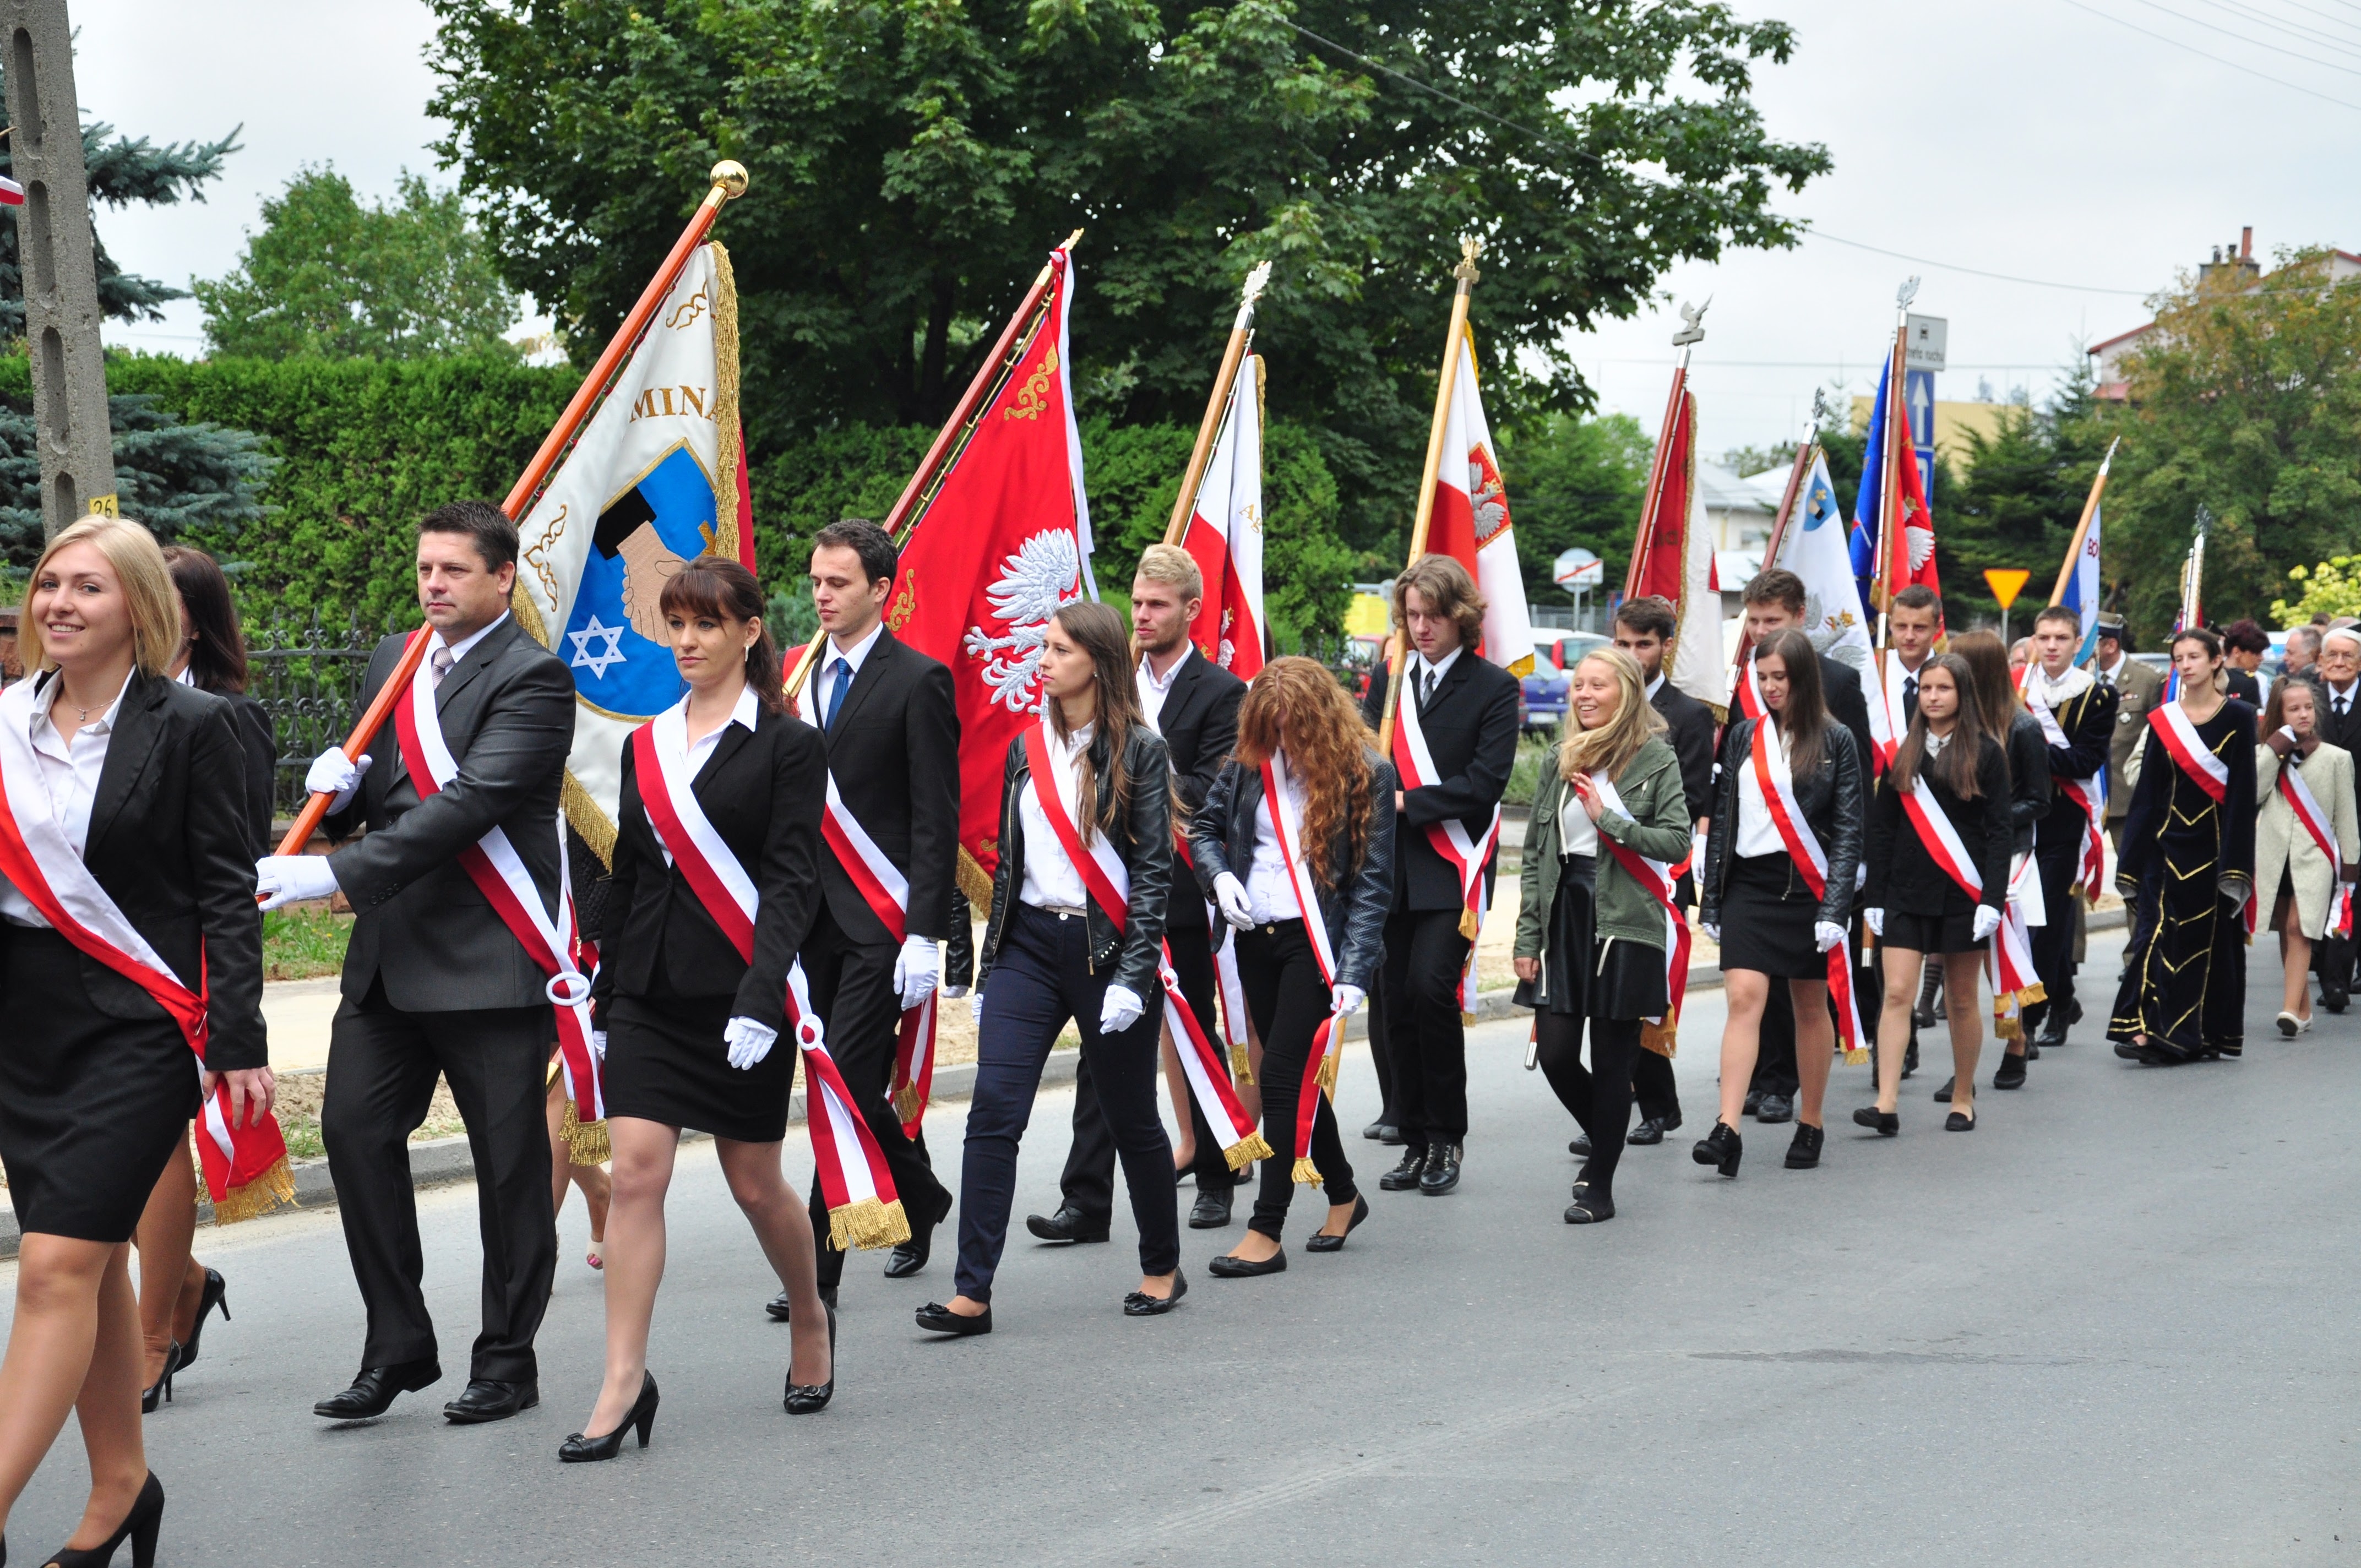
1004,541
1471,521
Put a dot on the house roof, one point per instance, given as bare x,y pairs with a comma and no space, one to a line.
1724,491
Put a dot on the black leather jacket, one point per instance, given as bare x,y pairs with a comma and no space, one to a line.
1222,840
1143,841
1833,808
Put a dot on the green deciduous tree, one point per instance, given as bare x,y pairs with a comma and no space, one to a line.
1572,482
328,276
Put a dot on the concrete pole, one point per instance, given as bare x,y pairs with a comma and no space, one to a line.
53,242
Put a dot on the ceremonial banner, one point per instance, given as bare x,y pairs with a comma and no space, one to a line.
1676,563
1225,534
1471,522
1902,516
656,477
1004,540
1834,617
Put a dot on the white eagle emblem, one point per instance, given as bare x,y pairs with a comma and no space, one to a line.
1041,574
1920,543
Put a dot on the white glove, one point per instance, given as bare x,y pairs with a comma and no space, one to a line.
1231,895
975,1006
333,772
1346,1000
1712,929
1826,934
1987,921
292,879
917,969
1120,1011
1875,920
748,1042
955,991
599,1046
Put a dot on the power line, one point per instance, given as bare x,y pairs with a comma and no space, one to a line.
2218,60
2292,30
1977,271
2253,43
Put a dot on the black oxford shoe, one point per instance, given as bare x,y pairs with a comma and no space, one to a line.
1404,1176
1211,1210
490,1399
373,1391
911,1255
1068,1225
781,1311
1652,1131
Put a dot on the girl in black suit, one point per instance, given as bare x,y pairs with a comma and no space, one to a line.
1914,904
691,1029
177,1293
144,780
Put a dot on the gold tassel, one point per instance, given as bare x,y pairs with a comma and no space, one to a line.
868,1225
974,881
1327,1073
1246,1150
1660,1038
259,1195
1306,1173
2032,993
725,402
1241,1067
906,1101
586,1142
1469,923
1855,1058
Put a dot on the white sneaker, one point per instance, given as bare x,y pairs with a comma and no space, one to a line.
2290,1025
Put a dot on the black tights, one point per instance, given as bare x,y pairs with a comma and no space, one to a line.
1601,1095
1289,999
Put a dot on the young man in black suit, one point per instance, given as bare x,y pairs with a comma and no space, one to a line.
891,726
1467,709
2084,713
1774,602
435,981
1193,704
2339,671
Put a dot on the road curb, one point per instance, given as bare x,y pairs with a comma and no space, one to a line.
441,1161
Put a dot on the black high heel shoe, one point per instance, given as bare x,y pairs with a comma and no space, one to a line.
159,1391
810,1398
581,1450
1720,1147
139,1526
217,1294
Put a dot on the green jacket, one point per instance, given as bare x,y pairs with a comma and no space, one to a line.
1658,829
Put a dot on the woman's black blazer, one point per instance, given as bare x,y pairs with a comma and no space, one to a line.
763,793
1902,875
2028,779
1222,840
1831,797
171,844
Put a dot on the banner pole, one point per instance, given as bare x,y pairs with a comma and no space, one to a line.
2082,528
1217,406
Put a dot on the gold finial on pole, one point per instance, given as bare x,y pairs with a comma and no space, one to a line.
729,178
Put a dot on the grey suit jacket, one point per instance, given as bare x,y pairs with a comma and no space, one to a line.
506,711
2140,688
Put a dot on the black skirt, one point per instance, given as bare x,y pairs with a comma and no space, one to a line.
665,1062
91,1106
1932,933
1620,979
1767,915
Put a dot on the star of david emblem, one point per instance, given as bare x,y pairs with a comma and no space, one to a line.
598,662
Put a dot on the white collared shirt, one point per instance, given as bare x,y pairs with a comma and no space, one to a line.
691,755
1758,830
70,768
1654,686
459,650
2348,695
1154,690
1420,667
1051,880
1270,890
1577,833
2112,673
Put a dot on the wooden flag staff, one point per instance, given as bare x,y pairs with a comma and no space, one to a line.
2082,529
1651,499
729,180
906,508
1232,356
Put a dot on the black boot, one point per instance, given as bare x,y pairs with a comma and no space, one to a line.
1803,1153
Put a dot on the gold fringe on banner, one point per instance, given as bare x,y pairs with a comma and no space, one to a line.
1242,1066
974,882
259,1195
1306,1174
906,1102
1247,1150
1469,923
586,1142
726,427
1855,1058
1327,1074
868,1225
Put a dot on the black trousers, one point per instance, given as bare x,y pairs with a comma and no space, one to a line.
381,1069
1426,1042
1599,1097
2053,944
1653,1086
1040,979
853,990
1774,1069
1288,997
1087,1183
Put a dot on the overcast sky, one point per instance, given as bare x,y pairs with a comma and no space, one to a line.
2043,139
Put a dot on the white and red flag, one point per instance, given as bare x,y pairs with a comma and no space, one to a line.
1673,560
1470,522
1225,534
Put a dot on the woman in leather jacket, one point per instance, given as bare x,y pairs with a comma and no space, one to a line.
1755,899
1075,934
1338,819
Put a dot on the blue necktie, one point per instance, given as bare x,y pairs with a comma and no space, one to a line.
843,672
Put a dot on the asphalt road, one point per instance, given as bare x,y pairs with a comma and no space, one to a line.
2115,1325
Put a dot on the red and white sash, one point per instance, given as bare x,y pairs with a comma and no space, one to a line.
886,891
863,1209
1109,882
1749,694
1889,720
1777,782
246,1167
499,874
2306,806
2209,773
2090,794
1660,879
1466,855
2008,964
1327,1041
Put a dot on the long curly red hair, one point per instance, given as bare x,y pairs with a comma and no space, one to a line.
1294,704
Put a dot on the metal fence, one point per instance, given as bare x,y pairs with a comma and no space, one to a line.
307,676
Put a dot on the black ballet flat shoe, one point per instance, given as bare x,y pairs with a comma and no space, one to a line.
937,1318
1943,1095
1590,1207
579,1450
373,1391
1229,1266
216,1295
161,1390
1720,1148
2009,1074
1580,1146
1140,1304
1803,1153
1886,1122
810,1398
139,1527
1321,1241
1956,1123
1404,1176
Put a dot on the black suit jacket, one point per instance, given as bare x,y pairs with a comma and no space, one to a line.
763,792
894,752
168,841
1840,688
1471,731
2338,729
1200,726
506,711
2088,722
1690,723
